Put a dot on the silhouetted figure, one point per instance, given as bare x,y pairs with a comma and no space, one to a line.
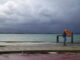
64,36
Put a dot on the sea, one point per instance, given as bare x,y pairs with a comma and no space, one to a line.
36,37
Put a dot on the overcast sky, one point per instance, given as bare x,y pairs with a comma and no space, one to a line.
39,16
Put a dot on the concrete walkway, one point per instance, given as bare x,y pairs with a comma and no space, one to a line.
44,44
39,47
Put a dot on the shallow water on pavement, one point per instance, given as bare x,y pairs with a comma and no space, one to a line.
60,56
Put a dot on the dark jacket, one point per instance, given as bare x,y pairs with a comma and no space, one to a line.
64,34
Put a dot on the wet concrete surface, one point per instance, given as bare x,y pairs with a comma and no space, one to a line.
30,46
48,44
59,56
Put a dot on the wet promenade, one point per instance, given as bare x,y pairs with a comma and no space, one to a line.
40,57
39,47
39,51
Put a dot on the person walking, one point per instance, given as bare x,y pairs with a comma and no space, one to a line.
65,39
65,34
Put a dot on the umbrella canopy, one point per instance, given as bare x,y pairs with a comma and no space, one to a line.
68,32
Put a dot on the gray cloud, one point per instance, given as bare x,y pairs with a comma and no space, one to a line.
39,16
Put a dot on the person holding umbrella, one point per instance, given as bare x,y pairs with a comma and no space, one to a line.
65,33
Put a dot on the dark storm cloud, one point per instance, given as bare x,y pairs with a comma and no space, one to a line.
39,16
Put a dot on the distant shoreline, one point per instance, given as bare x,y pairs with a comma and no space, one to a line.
30,33
35,33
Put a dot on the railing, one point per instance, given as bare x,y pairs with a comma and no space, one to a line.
57,38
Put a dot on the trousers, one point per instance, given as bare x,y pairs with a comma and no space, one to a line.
65,39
